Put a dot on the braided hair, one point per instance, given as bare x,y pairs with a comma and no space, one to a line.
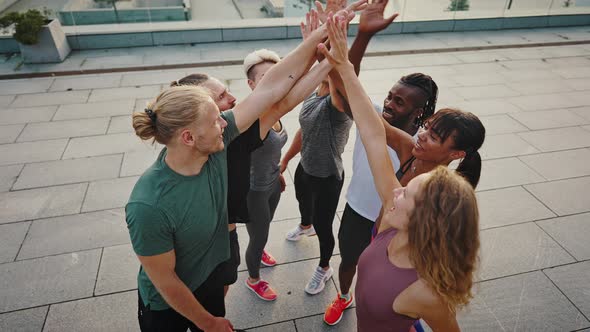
427,85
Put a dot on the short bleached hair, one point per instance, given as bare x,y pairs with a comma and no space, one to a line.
258,57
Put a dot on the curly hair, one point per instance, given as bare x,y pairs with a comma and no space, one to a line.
443,236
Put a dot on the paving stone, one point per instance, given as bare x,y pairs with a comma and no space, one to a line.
108,194
558,139
30,320
20,86
292,301
505,145
316,323
148,91
117,312
578,83
283,327
6,100
573,281
501,124
41,203
118,270
41,281
571,232
11,238
473,57
51,98
525,76
564,196
549,119
497,208
527,302
525,64
573,72
508,172
28,152
485,92
152,77
477,68
9,133
537,87
95,110
108,62
135,163
561,164
485,107
288,207
548,101
8,175
26,115
86,82
75,233
120,124
64,129
518,248
69,171
105,144
478,80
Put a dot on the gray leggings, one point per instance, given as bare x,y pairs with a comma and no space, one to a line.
261,206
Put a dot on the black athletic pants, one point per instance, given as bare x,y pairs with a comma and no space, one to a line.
209,294
318,200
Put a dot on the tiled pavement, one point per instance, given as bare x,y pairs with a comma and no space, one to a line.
68,160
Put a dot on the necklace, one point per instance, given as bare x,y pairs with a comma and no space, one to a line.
414,166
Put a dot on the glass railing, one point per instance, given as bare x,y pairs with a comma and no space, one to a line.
132,13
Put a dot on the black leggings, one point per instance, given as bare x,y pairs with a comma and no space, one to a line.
209,294
318,200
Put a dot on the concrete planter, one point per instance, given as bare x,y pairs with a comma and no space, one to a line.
52,46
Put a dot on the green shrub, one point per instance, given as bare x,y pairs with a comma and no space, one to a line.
27,25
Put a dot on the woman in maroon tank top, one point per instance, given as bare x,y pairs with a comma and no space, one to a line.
422,262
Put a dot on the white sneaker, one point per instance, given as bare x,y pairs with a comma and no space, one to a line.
318,281
296,233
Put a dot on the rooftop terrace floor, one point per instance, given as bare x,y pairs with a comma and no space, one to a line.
69,159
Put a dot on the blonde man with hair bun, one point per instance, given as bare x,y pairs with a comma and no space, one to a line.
177,212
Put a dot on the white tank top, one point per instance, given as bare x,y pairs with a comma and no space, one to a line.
362,195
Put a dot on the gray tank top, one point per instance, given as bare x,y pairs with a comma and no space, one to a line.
378,284
264,167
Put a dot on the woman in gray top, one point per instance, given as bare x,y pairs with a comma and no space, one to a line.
266,180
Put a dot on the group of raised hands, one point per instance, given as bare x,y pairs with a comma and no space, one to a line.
334,19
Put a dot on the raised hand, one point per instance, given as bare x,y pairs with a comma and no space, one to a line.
338,53
372,19
312,22
338,8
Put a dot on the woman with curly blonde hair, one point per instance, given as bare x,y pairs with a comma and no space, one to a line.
422,262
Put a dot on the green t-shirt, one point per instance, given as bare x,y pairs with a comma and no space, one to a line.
168,211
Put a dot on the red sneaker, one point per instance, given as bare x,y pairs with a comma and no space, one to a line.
267,259
335,310
262,290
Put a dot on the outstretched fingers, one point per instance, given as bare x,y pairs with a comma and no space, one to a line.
357,5
338,54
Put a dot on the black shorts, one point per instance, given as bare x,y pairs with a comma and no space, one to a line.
229,273
354,236
210,294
